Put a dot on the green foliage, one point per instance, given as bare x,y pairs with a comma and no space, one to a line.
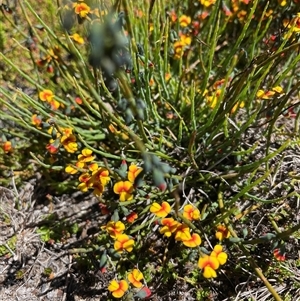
47,272
202,295
52,231
173,104
20,274
9,246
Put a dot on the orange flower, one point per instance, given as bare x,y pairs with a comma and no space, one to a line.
114,229
138,13
81,165
151,82
242,15
98,188
191,213
184,21
207,3
122,135
83,187
168,76
133,172
178,49
261,94
93,167
118,289
226,10
85,182
172,15
78,100
237,105
54,104
183,233
185,40
169,226
222,232
67,131
84,178
50,68
203,15
37,121
46,95
7,147
68,140
77,38
131,217
52,147
209,264
98,13
86,155
81,9
53,132
294,24
43,62
279,255
219,254
135,278
124,189
282,2
160,210
100,174
213,99
193,242
123,242
278,89
53,53
151,27
71,169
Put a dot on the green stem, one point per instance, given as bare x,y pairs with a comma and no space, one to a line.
256,268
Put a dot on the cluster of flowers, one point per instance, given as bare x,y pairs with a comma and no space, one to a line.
48,96
171,226
47,59
293,25
119,288
123,242
208,263
125,188
92,176
213,97
60,136
237,10
183,43
261,94
83,11
185,39
275,92
64,137
97,177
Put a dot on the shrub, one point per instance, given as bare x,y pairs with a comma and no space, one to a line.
161,112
